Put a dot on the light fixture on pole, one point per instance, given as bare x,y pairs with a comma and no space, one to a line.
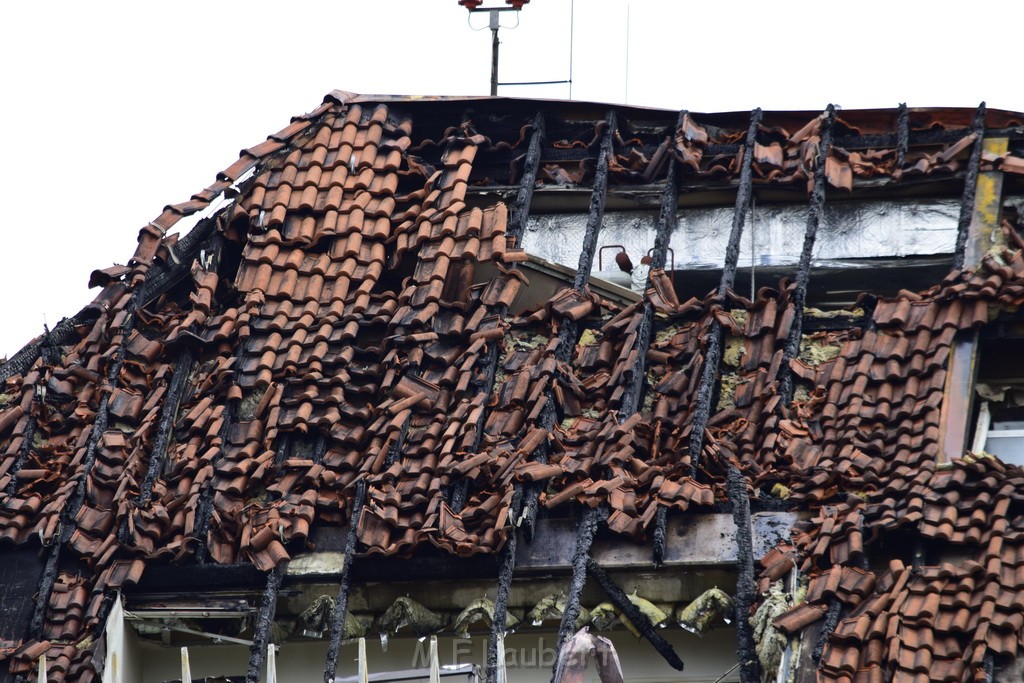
494,14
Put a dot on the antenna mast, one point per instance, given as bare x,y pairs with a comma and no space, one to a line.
494,23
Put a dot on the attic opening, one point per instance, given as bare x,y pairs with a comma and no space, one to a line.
871,246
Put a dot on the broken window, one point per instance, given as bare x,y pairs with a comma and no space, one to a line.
999,394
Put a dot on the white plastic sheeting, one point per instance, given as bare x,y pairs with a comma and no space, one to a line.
849,230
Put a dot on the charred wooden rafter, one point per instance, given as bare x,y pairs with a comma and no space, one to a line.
168,414
902,135
341,603
23,451
970,186
531,164
568,330
633,395
803,273
264,622
204,509
524,506
458,492
736,485
585,532
508,566
68,522
621,601
713,350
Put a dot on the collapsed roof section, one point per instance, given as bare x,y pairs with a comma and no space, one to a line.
341,339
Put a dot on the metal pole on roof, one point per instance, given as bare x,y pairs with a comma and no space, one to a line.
494,51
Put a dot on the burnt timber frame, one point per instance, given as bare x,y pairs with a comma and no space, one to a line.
508,554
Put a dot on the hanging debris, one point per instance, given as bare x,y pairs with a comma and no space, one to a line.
604,616
316,620
654,614
698,616
770,642
552,607
407,613
481,610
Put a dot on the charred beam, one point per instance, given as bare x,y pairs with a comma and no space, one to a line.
902,135
585,533
666,226
508,566
264,622
68,524
633,613
26,446
970,185
739,213
713,353
168,414
521,208
458,492
660,534
828,627
803,273
62,333
204,509
597,198
736,485
341,604
567,332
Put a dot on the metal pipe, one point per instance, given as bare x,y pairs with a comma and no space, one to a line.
494,16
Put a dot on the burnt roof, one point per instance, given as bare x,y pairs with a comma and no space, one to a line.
341,315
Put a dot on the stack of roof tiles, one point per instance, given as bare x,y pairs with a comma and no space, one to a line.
335,328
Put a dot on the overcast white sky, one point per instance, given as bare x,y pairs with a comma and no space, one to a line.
112,110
